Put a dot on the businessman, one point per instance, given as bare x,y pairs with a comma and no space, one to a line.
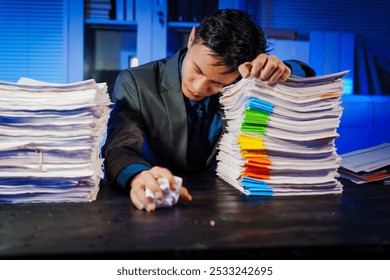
167,118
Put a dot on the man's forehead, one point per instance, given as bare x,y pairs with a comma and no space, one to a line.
207,58
217,74
206,61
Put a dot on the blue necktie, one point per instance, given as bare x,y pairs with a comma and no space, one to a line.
197,151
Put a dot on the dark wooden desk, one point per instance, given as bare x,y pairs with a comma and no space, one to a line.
353,225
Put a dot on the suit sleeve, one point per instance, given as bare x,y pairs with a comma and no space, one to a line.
125,132
298,68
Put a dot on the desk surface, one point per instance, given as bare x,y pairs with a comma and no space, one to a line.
355,224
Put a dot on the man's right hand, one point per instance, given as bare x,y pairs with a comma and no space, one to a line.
149,178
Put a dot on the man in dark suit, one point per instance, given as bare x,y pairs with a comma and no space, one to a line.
153,129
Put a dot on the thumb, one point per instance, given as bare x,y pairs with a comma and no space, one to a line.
185,195
245,69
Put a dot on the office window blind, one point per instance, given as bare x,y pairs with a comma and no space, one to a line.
368,18
31,40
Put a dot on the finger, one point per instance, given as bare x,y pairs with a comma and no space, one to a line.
150,181
136,201
165,173
137,194
172,182
259,65
286,74
280,74
185,195
150,207
139,199
245,69
272,65
275,77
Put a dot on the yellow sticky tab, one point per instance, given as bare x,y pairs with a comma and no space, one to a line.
249,142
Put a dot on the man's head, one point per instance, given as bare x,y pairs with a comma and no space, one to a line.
223,41
232,36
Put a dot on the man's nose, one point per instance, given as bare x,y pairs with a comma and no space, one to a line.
200,86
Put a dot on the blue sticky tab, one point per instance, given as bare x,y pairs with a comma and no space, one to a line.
260,105
256,187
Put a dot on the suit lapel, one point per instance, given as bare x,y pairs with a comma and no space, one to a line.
177,115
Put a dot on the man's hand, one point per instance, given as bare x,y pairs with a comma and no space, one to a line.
267,68
149,178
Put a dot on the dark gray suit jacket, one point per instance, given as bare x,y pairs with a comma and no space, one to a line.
149,104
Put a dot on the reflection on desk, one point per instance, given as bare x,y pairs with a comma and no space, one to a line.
219,223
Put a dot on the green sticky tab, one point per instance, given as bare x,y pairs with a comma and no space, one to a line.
255,121
256,117
253,129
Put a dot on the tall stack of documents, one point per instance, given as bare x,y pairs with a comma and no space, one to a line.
50,136
279,139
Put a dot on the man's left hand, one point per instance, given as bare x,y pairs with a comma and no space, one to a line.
267,68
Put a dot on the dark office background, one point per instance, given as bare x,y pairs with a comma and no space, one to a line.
70,40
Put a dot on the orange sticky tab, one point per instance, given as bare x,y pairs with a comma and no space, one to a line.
330,95
265,162
256,175
255,155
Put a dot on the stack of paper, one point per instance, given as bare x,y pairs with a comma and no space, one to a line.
280,138
367,165
49,140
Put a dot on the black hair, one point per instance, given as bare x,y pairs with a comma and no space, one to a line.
232,36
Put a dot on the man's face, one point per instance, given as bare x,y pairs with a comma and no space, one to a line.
200,77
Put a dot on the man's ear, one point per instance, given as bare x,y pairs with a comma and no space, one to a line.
192,37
